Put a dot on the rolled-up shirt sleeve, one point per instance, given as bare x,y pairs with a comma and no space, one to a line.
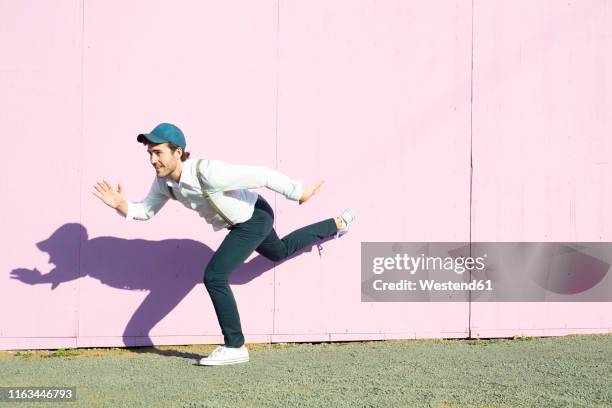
148,207
222,176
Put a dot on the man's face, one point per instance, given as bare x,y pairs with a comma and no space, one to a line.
163,159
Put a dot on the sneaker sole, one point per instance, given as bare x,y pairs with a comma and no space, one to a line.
224,362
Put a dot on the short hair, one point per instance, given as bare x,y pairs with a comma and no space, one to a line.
173,147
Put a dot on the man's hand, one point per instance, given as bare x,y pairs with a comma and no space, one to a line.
111,197
310,191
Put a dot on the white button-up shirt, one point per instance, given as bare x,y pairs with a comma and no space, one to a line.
227,185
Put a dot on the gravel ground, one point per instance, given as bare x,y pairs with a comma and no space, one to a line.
570,371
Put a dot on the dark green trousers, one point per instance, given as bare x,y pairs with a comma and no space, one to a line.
256,234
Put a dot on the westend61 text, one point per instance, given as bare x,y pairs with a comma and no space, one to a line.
431,284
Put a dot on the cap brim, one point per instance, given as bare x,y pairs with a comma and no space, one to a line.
143,137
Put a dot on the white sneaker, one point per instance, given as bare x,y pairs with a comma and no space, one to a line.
347,217
226,355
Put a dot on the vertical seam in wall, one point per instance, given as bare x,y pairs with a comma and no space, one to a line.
81,237
471,159
276,151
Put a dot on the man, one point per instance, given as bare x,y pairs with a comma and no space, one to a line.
220,193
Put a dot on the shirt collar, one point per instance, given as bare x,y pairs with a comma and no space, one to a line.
186,168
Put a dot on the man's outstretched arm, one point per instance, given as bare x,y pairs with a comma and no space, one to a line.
224,176
142,211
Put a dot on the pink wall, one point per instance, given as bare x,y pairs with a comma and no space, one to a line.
388,101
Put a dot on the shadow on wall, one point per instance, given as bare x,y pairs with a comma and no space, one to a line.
168,269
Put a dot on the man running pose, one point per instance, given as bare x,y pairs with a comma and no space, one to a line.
220,193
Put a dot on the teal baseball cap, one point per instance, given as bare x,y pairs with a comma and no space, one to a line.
164,133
